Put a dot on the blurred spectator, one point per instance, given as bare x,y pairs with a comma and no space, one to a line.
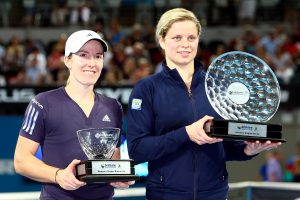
5,9
20,79
107,58
2,55
59,14
224,12
85,13
140,51
128,45
200,8
55,62
283,65
15,55
137,33
99,26
247,11
270,42
119,54
115,33
2,80
293,166
59,44
291,11
296,78
219,49
144,69
204,54
29,44
30,11
271,170
62,77
129,67
74,12
273,167
262,54
281,33
113,75
250,39
36,68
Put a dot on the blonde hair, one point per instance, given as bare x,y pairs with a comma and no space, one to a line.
172,16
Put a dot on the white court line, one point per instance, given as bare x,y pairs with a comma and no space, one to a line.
129,192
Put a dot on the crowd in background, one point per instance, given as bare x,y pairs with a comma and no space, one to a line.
128,26
278,169
133,53
45,13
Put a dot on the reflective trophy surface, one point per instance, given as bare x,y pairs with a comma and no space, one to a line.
245,92
99,145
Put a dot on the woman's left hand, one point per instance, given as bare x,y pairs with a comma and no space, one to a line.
255,147
122,185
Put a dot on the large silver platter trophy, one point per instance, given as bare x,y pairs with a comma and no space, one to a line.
99,145
245,92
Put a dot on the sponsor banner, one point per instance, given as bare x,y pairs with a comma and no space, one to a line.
15,99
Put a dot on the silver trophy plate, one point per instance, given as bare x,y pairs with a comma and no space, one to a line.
99,145
241,86
245,92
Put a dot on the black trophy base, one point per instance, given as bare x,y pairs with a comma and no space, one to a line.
244,130
102,171
108,178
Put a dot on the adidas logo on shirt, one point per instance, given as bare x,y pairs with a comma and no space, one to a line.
105,119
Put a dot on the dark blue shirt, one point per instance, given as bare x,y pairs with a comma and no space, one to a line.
160,107
52,119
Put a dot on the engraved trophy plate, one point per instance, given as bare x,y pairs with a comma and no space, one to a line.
99,144
243,90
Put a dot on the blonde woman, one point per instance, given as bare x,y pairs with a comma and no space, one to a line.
166,115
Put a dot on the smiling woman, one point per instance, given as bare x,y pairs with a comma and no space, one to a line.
53,118
166,115
85,65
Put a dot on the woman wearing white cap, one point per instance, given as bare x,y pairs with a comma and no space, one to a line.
52,119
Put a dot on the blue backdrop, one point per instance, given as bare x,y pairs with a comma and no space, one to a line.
10,181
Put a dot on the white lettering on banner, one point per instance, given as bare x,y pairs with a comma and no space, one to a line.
17,95
25,95
7,167
121,94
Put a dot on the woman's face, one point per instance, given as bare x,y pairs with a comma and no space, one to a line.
180,44
85,65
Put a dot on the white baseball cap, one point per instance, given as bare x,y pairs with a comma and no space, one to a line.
77,39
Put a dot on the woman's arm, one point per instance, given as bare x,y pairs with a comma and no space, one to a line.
28,165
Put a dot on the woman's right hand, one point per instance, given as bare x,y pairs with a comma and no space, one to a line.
197,134
66,178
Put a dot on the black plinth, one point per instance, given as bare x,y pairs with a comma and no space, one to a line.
242,130
99,171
